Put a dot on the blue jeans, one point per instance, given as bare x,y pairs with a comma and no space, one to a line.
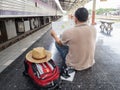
63,51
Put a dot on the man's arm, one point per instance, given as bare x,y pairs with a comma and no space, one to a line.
57,39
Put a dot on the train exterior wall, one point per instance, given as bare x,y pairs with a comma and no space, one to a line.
26,8
20,18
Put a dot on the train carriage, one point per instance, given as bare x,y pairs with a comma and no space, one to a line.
18,17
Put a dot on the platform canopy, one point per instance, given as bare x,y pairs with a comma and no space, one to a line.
71,5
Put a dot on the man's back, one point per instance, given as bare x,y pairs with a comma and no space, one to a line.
81,42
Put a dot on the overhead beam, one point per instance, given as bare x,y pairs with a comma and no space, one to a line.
80,3
71,5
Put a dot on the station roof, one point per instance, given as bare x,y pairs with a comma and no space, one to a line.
70,5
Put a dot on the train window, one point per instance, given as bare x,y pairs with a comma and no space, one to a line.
45,1
53,4
35,4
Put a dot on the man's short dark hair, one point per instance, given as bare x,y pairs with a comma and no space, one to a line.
81,14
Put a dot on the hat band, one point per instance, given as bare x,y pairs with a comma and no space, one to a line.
39,58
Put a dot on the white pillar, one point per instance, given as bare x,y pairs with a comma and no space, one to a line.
93,12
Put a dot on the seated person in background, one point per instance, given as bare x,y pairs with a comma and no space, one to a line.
77,45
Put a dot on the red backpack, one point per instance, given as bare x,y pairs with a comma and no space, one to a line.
43,74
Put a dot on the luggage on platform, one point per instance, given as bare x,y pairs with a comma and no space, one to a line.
45,75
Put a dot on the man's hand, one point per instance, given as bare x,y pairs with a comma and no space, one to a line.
54,35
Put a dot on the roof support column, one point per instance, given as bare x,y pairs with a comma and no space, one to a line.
93,12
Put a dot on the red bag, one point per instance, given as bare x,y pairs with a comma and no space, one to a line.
43,74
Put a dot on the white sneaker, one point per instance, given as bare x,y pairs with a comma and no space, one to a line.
70,69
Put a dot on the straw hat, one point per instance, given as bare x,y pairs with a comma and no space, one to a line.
38,55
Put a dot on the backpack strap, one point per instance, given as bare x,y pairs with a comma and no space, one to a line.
52,63
35,70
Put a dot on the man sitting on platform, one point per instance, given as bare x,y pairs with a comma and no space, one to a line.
77,45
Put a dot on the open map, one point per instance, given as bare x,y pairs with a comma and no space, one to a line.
60,26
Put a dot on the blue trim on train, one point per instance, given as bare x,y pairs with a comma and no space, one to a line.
11,12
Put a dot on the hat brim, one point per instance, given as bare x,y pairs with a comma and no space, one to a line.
30,59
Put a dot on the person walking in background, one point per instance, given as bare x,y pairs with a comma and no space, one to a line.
77,45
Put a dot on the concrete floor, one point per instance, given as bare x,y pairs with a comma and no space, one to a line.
104,75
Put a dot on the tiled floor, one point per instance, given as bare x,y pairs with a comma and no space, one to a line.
104,75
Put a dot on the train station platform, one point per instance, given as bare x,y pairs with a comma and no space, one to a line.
104,75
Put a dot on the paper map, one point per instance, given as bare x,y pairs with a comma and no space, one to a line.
60,26
71,78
